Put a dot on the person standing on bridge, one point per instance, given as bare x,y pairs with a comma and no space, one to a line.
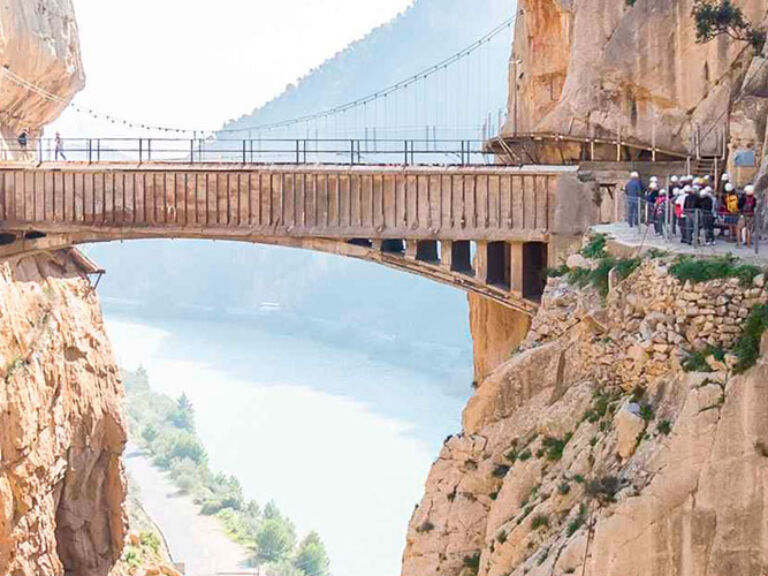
58,148
23,140
634,192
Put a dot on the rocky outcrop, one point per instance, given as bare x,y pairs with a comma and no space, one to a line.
597,67
591,451
61,478
38,43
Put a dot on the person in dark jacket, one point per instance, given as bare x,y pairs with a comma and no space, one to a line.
634,192
747,205
689,215
705,205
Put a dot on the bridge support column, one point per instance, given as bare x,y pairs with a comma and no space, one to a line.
516,267
410,250
446,256
481,262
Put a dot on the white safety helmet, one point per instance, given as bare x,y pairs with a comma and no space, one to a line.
725,177
687,189
729,187
674,179
663,192
749,190
654,179
653,186
634,175
706,178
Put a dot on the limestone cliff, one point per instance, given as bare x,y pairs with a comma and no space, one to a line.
61,432
591,451
594,67
38,43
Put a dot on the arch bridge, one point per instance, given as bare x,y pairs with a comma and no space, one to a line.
484,229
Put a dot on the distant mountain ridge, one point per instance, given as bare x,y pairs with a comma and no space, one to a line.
420,36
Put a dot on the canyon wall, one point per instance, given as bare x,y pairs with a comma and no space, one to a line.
61,478
591,451
38,43
594,67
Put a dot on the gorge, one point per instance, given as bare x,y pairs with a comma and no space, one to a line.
605,433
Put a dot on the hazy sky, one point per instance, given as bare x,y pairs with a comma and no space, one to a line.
198,63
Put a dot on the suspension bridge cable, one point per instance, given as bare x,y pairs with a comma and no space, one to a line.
342,109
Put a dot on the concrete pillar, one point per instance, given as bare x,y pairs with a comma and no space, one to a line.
410,249
481,262
516,268
446,256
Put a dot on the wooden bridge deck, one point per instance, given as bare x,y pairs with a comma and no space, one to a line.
319,207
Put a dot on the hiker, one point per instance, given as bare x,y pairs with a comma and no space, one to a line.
747,204
659,212
705,204
59,148
731,203
679,209
634,192
650,200
23,140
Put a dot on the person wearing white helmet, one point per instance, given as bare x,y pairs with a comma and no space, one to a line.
650,200
747,205
634,192
705,205
731,210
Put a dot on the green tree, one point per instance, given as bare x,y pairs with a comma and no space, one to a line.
274,540
311,557
183,414
149,433
723,18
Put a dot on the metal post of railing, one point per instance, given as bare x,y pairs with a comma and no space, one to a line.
297,152
98,150
245,152
39,150
405,152
352,152
141,150
305,152
696,214
149,149
192,151
90,150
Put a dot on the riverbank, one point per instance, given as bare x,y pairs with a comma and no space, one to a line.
197,541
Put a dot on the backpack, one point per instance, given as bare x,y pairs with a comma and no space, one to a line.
732,203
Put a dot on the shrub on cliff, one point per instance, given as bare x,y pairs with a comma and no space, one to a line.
747,348
724,18
696,270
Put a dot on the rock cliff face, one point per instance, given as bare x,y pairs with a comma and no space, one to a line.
593,67
590,451
61,478
38,43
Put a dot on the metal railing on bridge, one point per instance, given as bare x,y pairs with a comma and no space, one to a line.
257,151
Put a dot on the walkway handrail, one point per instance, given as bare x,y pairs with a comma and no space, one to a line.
352,151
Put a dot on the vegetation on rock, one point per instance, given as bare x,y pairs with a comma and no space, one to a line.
689,268
724,18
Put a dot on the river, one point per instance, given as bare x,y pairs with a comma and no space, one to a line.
342,441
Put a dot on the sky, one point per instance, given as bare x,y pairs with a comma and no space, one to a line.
181,63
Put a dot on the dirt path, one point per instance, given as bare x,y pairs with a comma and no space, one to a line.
195,540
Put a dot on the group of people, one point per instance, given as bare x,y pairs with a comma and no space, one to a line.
690,205
25,136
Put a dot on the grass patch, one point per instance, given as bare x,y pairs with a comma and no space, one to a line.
664,427
747,348
564,488
604,488
525,455
558,272
704,269
595,248
577,522
553,447
539,521
697,360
